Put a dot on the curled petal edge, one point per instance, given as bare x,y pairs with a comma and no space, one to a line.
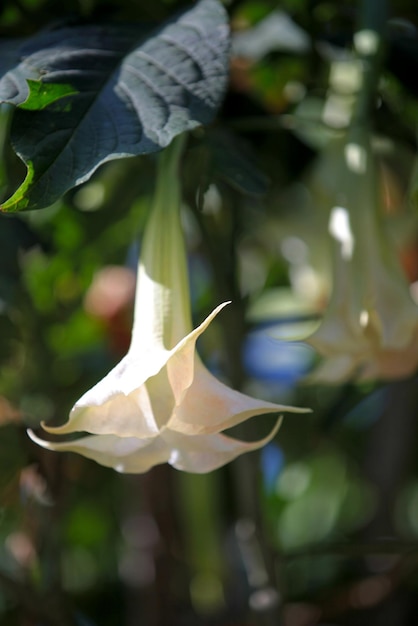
197,461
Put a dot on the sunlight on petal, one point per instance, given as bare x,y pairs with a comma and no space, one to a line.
160,404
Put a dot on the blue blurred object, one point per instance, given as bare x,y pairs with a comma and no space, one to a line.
272,462
269,359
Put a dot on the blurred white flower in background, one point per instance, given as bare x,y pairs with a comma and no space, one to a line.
370,327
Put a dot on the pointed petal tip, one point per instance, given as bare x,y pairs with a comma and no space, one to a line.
40,442
296,409
50,445
217,310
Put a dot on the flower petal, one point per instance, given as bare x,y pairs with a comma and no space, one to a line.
181,364
125,416
204,453
335,369
197,454
127,455
119,403
391,364
209,406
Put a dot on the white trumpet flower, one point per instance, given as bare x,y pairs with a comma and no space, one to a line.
370,328
160,403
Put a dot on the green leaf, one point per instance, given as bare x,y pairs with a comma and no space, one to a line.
130,92
41,94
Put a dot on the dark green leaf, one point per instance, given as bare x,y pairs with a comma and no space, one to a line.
133,94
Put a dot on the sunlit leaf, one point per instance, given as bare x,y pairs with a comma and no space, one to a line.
41,94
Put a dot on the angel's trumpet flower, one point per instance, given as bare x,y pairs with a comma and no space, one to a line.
370,328
160,403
